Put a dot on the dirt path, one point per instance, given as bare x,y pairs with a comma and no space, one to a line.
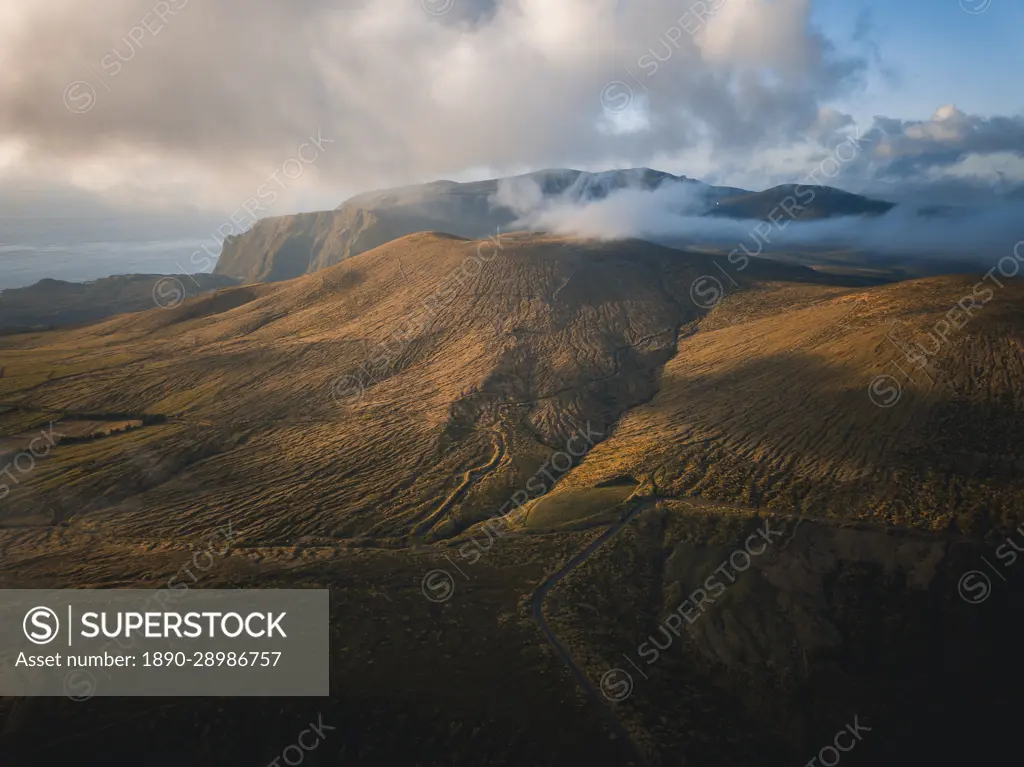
468,479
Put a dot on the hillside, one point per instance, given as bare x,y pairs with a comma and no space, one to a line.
52,303
500,352
800,202
813,404
359,428
480,358
462,352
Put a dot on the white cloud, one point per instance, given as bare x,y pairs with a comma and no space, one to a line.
207,106
226,90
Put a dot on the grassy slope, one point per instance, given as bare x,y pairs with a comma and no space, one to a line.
770,406
547,336
765,403
270,422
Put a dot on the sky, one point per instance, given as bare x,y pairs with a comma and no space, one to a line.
166,106
937,52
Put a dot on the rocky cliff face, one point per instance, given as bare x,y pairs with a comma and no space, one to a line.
287,246
282,248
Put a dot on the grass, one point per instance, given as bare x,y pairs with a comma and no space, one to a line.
764,405
562,508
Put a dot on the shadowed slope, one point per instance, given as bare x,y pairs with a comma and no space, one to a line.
52,303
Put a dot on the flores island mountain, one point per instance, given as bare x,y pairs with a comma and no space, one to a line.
284,247
692,511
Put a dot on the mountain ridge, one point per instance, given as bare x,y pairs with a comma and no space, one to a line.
285,247
52,303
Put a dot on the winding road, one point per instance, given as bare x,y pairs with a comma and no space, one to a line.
538,614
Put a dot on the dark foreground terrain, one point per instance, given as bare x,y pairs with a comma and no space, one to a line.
572,507
835,624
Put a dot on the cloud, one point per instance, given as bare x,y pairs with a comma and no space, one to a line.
632,211
950,157
182,98
672,214
184,102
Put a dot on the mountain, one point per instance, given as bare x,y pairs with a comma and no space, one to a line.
463,348
532,462
469,353
289,246
285,247
51,303
799,202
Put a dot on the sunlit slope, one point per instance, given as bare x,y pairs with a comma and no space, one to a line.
833,402
406,392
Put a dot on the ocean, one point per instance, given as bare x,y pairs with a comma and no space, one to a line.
80,249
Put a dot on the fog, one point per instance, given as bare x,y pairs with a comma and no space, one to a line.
673,213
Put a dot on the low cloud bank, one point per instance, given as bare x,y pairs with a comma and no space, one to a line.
675,213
